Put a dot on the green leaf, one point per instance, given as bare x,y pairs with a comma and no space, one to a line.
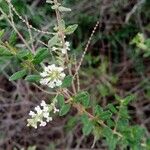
1,33
41,54
87,128
104,90
110,123
63,9
70,29
112,108
53,41
111,139
64,109
83,98
128,99
18,75
105,115
33,78
54,7
87,125
32,148
61,100
71,123
97,132
24,54
67,81
4,51
98,110
13,38
62,25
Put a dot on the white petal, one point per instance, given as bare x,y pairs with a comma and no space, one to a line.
49,119
44,74
62,75
44,81
51,84
67,44
56,110
32,114
51,67
45,108
60,69
43,123
59,82
54,48
38,110
46,69
43,104
46,115
63,50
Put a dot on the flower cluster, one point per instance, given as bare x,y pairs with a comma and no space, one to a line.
63,50
41,114
52,76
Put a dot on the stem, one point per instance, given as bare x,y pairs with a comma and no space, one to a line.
62,36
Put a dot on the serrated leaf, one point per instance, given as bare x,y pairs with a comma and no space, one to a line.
112,108
33,78
71,123
104,90
87,125
87,128
105,115
111,139
67,81
83,98
98,110
41,54
18,75
63,9
70,29
64,109
128,99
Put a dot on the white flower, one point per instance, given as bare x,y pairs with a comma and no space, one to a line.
38,110
32,113
45,108
63,50
43,103
48,119
54,48
43,123
52,76
58,82
67,44
67,48
42,114
56,110
46,115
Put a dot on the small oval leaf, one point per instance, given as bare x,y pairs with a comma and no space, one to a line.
18,75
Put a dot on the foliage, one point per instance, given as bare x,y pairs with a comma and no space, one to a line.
54,67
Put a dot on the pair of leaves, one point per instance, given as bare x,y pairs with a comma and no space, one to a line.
40,55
